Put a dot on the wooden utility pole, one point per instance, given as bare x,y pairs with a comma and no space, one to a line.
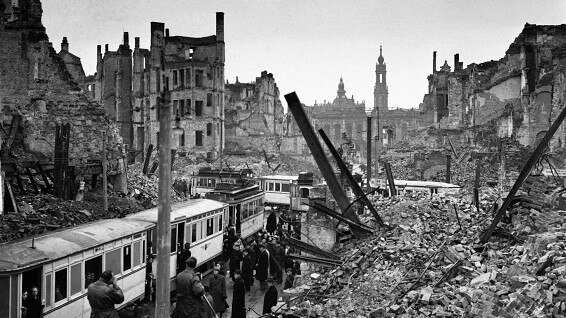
104,173
477,185
368,137
448,172
163,287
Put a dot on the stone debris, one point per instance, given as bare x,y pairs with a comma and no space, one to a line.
428,267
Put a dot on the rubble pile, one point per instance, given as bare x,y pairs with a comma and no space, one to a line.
144,188
429,266
44,212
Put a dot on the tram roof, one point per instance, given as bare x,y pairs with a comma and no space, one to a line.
51,246
180,210
280,177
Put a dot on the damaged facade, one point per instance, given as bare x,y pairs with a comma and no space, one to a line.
36,86
254,115
518,96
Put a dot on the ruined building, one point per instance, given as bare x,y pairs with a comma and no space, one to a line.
193,70
517,97
37,92
254,115
72,62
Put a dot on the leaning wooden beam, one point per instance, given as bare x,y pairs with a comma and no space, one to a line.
321,160
302,246
355,186
524,174
146,159
32,180
390,179
318,260
324,209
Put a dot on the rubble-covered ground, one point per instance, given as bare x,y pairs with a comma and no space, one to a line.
431,265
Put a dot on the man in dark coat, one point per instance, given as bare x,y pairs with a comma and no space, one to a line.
239,296
189,293
270,298
103,294
262,267
33,304
183,255
271,223
217,286
235,259
247,270
279,252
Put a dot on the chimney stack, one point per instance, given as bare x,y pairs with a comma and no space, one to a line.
137,42
433,62
65,44
105,48
99,49
220,26
456,62
126,39
166,33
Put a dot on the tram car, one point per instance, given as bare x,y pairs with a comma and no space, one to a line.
288,191
207,178
245,206
63,263
413,186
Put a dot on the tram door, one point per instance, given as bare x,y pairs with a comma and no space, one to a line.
238,221
31,279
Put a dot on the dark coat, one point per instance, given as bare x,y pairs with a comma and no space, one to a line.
248,271
239,299
217,287
262,267
270,299
102,297
34,307
271,223
289,281
189,296
235,259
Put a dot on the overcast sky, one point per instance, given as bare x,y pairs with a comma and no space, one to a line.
308,45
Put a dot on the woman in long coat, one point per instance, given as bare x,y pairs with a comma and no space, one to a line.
217,286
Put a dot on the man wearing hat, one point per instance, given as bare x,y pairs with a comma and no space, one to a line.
189,293
217,286
239,296
247,270
103,294
262,267
270,298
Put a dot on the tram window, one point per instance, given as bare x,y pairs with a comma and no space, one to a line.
143,252
209,226
48,290
127,254
136,254
93,269
60,285
174,239
193,232
199,230
270,186
278,187
220,223
305,193
113,261
76,278
285,187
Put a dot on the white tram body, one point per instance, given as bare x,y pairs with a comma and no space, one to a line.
245,207
277,189
66,258
207,178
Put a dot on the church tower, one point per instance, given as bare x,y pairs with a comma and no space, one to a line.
380,92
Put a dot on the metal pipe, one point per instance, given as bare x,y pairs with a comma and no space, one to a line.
163,286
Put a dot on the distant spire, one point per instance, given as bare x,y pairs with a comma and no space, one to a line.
341,91
380,59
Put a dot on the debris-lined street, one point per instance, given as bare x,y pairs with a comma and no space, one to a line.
141,147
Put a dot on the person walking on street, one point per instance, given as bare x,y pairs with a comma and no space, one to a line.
280,261
262,267
247,270
235,259
189,293
217,286
103,294
239,296
270,298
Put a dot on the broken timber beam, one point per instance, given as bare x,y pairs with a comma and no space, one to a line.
13,130
533,159
390,179
146,159
324,209
308,248
355,186
315,147
318,260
